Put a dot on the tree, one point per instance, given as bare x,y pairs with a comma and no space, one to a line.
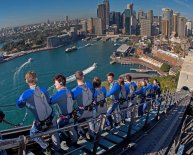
165,67
178,48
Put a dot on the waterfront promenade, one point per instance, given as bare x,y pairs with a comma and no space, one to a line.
22,53
135,61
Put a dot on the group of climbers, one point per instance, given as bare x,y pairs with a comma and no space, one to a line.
85,101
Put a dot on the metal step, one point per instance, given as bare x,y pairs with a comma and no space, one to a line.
113,138
106,144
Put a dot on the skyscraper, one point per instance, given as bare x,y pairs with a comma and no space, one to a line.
156,25
165,27
181,26
189,28
84,25
66,19
145,29
167,15
90,25
141,15
112,18
97,25
150,15
107,12
117,19
130,7
126,21
175,23
101,13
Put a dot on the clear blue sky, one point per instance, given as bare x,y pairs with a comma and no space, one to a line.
20,12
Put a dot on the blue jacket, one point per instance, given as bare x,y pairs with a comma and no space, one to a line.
127,85
38,110
64,102
114,91
77,93
98,91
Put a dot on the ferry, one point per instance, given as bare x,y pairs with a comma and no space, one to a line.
71,49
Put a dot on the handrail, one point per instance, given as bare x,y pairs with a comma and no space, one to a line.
28,138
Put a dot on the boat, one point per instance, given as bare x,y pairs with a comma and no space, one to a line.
71,49
112,62
88,45
116,44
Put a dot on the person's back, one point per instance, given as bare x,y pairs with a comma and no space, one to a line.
131,86
37,101
83,96
63,99
99,96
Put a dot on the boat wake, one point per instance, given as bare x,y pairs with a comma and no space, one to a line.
81,47
17,72
86,71
73,78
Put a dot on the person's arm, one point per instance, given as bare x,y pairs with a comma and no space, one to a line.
113,90
75,92
138,92
54,98
90,86
21,102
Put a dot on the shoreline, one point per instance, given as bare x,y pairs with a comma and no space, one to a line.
136,61
22,53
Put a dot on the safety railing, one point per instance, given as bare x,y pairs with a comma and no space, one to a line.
167,99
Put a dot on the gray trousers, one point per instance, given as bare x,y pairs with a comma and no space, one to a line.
40,140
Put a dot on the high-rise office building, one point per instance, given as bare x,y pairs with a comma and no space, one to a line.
126,21
145,29
165,27
150,15
66,19
167,15
130,7
84,25
107,12
112,17
175,22
90,25
97,25
189,28
156,25
101,13
181,26
118,19
141,15
115,18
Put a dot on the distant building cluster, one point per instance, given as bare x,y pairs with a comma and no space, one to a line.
129,22
55,41
142,23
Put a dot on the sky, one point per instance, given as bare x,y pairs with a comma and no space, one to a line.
21,12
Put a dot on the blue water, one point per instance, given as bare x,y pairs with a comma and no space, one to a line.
47,64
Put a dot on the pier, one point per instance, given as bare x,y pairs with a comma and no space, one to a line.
142,70
136,61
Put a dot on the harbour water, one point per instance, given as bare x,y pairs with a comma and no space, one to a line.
47,64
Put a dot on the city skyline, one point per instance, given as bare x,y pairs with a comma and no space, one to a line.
17,13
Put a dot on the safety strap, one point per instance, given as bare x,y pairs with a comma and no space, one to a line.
9,123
